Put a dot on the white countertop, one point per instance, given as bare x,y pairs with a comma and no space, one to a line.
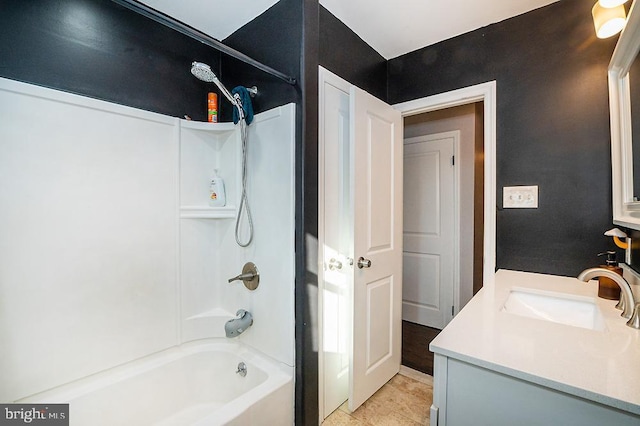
602,366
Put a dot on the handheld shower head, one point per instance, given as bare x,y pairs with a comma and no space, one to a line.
203,72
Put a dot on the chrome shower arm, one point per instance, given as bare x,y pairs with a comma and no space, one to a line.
234,99
224,90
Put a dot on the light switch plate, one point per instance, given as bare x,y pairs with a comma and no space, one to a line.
520,197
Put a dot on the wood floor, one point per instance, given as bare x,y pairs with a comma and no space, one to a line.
415,346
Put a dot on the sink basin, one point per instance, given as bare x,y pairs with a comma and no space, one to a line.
560,308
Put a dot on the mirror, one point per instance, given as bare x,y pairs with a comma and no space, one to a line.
634,97
624,93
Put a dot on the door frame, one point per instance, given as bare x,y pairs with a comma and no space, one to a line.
486,93
455,135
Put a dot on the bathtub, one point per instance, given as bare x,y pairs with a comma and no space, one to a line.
193,384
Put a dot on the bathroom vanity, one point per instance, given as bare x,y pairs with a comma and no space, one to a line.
537,349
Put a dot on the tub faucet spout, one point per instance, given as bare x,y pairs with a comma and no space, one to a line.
236,326
628,301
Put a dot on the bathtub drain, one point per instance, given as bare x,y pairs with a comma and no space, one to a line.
242,369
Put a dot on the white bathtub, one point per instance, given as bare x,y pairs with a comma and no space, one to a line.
194,384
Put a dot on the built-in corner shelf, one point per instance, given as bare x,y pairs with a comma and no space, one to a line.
219,128
205,212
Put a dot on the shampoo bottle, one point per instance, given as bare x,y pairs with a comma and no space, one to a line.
217,197
607,288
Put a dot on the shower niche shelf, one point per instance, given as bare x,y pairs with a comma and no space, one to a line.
205,147
203,212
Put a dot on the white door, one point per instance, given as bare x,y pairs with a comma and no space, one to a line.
376,136
429,229
336,236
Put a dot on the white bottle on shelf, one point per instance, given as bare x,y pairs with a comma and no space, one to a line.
217,196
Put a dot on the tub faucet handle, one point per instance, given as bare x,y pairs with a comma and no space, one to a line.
242,277
249,276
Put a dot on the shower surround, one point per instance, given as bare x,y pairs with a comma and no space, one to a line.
109,252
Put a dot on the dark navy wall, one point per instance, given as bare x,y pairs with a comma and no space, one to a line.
279,49
98,49
552,127
285,37
344,53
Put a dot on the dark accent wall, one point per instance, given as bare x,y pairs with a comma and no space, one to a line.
345,54
278,49
99,49
285,37
307,410
552,127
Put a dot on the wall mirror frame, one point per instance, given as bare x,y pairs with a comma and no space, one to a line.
626,207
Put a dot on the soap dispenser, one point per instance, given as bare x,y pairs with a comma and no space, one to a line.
607,288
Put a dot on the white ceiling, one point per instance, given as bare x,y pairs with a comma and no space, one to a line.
217,18
392,28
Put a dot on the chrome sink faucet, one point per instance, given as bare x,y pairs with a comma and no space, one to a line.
626,297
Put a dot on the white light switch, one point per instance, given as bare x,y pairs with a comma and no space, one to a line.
520,197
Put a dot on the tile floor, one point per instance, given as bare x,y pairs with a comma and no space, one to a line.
403,400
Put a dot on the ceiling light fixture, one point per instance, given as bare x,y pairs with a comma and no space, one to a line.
608,21
611,3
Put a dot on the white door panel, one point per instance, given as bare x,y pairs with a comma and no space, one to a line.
416,265
429,229
336,229
377,217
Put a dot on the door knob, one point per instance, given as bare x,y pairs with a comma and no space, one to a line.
335,264
364,263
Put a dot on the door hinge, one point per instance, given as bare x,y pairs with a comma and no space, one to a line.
453,160
452,311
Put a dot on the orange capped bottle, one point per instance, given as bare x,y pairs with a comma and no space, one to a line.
212,107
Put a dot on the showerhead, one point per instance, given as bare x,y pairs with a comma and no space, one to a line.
203,72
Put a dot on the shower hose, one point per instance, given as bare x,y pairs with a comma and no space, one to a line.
244,200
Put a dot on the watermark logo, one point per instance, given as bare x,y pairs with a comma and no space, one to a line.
34,414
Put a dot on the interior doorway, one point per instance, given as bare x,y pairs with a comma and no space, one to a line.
484,93
443,226
360,243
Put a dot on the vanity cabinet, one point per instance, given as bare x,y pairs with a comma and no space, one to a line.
466,394
495,366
